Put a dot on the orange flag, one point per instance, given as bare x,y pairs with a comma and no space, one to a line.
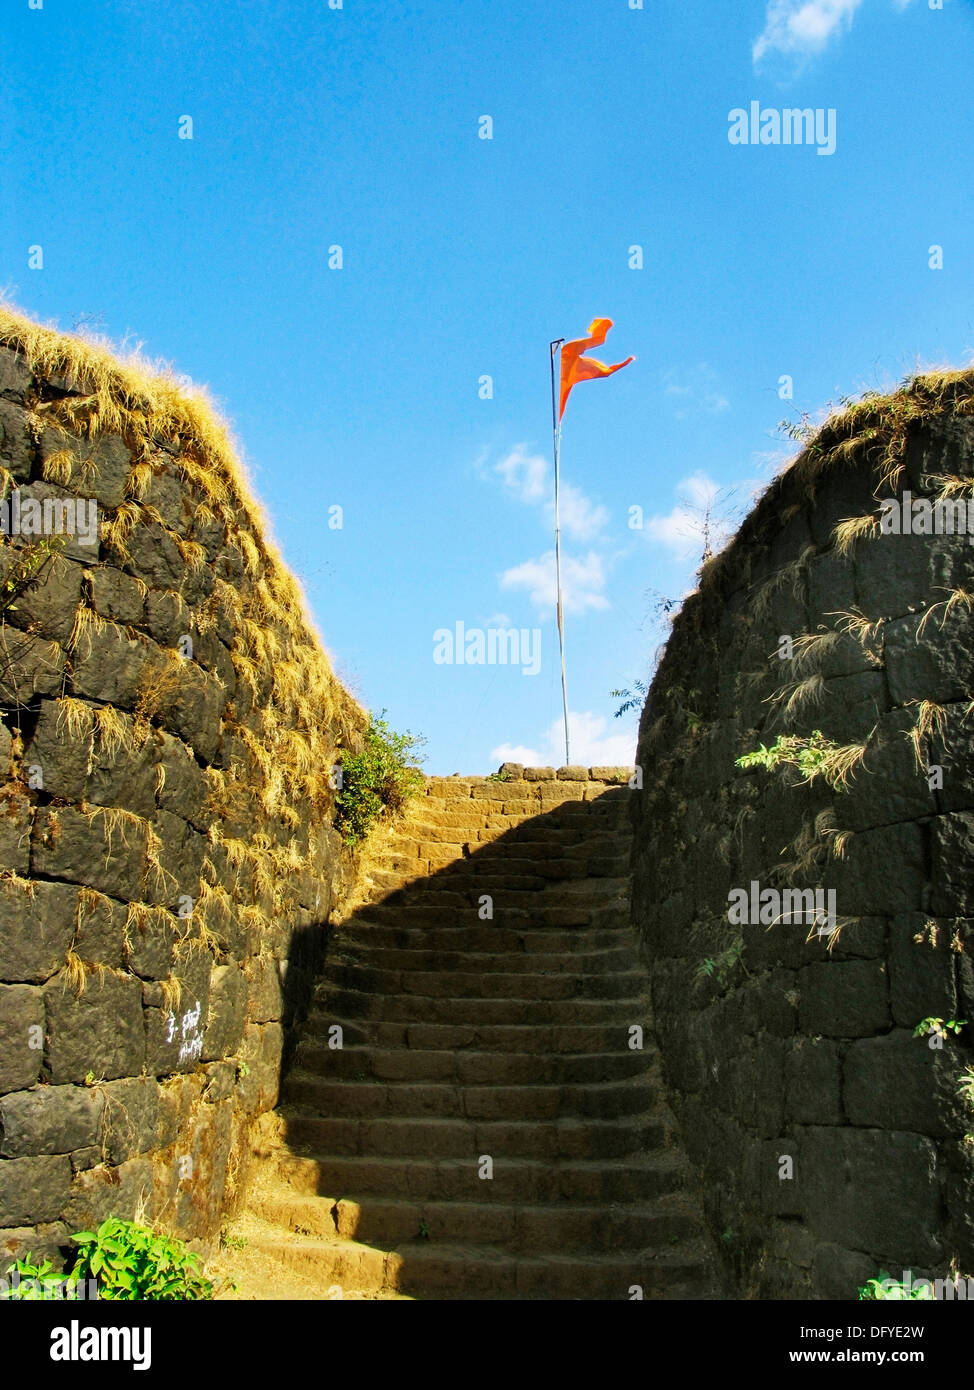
575,367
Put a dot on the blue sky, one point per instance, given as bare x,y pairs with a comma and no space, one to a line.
462,257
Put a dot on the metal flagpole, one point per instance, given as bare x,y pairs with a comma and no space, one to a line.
556,429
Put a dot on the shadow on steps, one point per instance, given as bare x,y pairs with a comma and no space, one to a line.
475,1109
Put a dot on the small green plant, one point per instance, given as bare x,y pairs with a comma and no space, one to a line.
424,1231
37,1282
128,1261
242,1070
497,777
631,699
133,1262
231,1242
721,967
888,1288
815,756
937,1027
24,570
379,779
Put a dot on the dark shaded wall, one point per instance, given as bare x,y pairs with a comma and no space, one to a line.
776,1047
167,855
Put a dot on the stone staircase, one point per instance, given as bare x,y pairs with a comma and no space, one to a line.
485,1130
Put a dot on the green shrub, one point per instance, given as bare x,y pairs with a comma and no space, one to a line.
378,780
127,1260
816,756
885,1287
132,1262
38,1282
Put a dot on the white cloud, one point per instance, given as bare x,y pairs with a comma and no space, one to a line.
681,530
580,517
496,620
516,753
592,745
696,389
802,28
524,474
528,478
583,581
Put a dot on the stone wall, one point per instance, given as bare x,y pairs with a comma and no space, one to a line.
167,855
830,1140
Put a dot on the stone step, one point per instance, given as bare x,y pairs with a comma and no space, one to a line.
334,1265
333,1001
639,1179
466,1272
362,977
468,1043
607,962
515,1229
473,1069
432,1037
311,1094
460,928
467,878
528,840
503,1140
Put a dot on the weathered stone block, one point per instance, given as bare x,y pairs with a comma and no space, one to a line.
49,1120
103,1191
46,1241
265,1001
887,787
14,374
936,667
102,464
116,596
116,669
36,927
184,790
99,1031
181,853
149,944
167,616
33,1190
843,999
872,1191
15,443
813,1077
882,872
131,1118
169,497
921,974
125,776
155,556
192,706
104,852
175,1033
62,753
51,602
31,667
16,815
953,888
261,1049
227,1011
22,1030
899,1083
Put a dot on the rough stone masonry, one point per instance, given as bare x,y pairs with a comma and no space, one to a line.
162,903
